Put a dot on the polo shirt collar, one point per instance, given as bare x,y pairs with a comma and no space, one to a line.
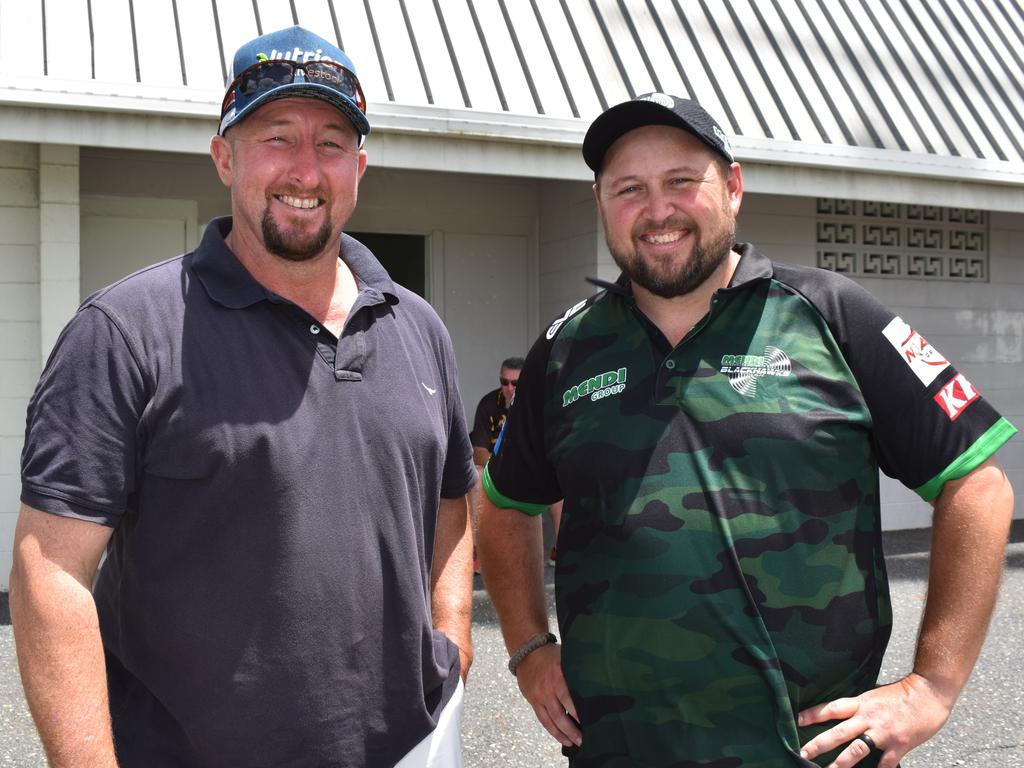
370,274
229,283
753,267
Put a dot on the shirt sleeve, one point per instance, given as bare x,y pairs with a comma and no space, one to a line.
930,424
82,429
519,475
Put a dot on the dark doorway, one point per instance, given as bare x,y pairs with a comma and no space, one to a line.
403,256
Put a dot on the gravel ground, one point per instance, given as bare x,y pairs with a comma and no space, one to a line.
499,729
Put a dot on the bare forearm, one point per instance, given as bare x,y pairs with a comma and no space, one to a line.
60,656
969,533
510,545
57,635
452,587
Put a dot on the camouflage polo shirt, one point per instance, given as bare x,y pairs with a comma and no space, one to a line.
719,559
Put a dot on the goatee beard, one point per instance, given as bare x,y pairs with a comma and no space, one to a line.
705,259
293,251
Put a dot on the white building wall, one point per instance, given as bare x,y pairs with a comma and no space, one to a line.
781,226
174,175
570,244
19,323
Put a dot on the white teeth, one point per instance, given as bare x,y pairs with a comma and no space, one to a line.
670,237
299,202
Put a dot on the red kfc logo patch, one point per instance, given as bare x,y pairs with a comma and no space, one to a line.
956,396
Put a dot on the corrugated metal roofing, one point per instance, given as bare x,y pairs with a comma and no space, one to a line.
936,77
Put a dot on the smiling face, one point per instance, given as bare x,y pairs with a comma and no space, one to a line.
293,167
668,205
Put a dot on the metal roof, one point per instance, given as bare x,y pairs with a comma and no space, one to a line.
941,78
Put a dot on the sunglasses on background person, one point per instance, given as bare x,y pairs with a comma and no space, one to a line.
508,382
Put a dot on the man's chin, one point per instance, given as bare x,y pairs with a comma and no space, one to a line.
671,280
293,245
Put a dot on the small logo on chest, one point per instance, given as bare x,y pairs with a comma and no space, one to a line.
745,370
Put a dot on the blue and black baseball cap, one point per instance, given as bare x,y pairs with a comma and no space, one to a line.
288,63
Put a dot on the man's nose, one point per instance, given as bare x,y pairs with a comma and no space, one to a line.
305,165
660,205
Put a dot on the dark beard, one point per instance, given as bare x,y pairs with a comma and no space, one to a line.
276,244
705,259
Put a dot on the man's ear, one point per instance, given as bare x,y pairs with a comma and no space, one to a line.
220,151
362,162
734,188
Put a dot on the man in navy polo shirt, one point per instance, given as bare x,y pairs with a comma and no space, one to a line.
266,439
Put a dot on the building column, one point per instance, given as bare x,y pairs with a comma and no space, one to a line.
19,323
59,236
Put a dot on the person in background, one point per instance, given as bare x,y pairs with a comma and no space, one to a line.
490,418
492,409
265,438
716,422
487,425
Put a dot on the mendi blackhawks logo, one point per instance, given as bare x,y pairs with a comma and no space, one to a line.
745,370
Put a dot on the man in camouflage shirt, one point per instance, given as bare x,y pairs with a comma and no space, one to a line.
715,422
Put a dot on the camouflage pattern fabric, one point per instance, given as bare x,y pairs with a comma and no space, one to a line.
713,582
719,559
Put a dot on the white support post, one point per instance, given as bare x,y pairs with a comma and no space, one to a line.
59,240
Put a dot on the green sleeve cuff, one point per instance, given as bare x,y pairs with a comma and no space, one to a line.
982,449
500,500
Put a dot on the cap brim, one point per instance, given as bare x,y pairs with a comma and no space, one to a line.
303,90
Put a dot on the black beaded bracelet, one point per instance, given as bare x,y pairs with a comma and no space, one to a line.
531,645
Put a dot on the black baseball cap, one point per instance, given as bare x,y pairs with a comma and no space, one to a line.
652,109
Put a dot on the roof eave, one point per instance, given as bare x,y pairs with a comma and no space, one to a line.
177,103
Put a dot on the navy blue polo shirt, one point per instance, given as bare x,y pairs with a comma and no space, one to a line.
273,491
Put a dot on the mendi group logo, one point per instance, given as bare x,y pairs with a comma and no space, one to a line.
744,371
597,387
